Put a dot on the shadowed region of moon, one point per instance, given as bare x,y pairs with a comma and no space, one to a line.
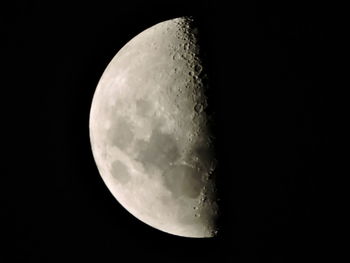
150,132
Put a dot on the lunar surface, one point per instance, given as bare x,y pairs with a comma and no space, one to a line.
150,133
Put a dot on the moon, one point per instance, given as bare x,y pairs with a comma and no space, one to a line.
150,131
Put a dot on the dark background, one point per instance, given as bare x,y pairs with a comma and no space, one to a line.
269,85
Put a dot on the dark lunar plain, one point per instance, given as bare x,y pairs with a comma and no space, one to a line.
268,71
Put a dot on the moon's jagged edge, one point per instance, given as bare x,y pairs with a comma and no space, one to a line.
149,131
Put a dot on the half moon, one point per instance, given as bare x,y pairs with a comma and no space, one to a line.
150,133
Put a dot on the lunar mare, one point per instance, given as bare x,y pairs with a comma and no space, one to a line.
150,133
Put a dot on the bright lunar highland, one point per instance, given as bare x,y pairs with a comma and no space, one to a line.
150,133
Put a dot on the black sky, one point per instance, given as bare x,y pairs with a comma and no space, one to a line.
268,89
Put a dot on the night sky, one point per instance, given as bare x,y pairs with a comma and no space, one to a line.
269,94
